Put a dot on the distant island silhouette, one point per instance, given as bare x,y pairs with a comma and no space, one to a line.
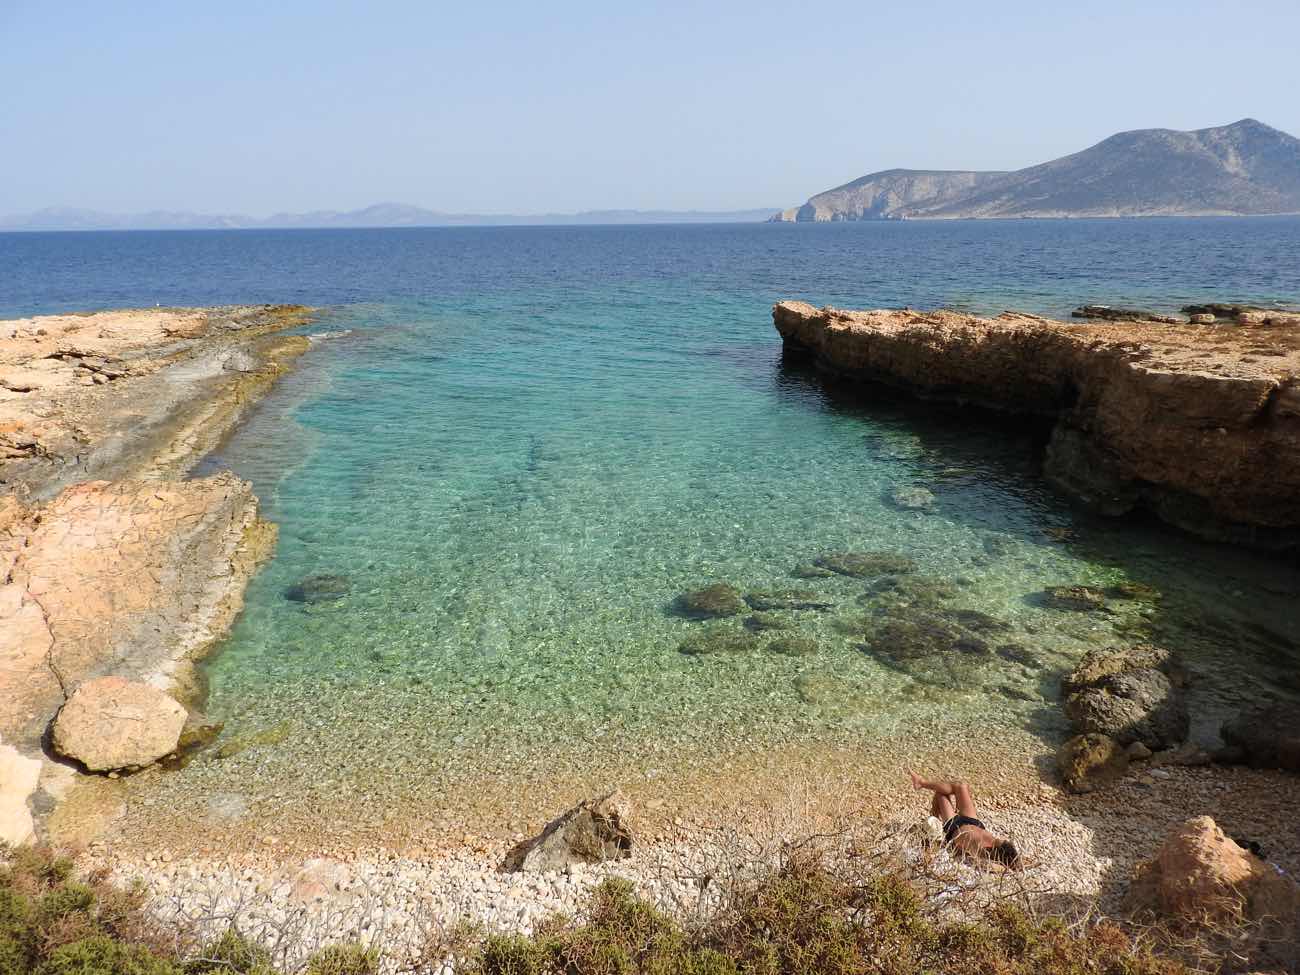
1243,169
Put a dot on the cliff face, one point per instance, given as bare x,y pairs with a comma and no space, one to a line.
1199,424
888,194
1243,168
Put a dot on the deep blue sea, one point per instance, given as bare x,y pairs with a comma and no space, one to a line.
513,448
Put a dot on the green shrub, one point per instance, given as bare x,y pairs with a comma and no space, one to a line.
232,953
101,955
344,959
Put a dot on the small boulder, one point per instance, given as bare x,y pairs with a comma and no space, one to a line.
19,776
711,602
1266,737
761,622
318,588
1202,318
594,831
863,564
111,723
1092,761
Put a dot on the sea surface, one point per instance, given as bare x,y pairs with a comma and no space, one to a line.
511,450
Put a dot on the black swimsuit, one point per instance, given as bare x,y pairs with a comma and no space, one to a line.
953,826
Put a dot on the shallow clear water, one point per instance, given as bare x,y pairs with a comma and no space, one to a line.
516,448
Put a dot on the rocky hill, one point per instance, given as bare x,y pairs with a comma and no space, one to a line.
1246,168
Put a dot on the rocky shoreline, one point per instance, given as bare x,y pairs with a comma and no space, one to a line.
112,564
1198,424
118,575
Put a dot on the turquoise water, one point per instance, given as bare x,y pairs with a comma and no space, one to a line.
512,453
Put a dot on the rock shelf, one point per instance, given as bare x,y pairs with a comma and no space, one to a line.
1200,425
110,563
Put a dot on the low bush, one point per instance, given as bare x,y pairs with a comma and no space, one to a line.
802,919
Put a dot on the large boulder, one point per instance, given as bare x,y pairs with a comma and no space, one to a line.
593,831
111,723
1098,664
1088,762
1202,878
1127,695
19,776
1266,737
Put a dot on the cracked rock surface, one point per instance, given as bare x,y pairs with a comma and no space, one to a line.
115,577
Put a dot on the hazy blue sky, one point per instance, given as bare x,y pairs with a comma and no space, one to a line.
529,107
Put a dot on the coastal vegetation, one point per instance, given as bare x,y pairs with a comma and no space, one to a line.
801,917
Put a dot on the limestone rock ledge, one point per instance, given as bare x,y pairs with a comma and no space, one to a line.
1199,424
131,578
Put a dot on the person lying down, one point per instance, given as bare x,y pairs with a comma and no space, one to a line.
963,832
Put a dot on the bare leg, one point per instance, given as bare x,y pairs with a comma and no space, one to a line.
941,808
947,796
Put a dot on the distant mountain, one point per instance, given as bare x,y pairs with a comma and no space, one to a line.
378,215
1246,168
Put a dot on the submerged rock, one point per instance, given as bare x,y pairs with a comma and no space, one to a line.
912,498
1109,314
914,591
807,570
787,599
1080,599
318,588
1137,591
274,735
1091,761
711,602
760,622
111,723
794,645
718,639
924,634
977,622
866,564
594,831
818,688
1020,654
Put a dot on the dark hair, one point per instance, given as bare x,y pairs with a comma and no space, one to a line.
1006,854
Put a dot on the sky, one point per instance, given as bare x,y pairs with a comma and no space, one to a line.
527,107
